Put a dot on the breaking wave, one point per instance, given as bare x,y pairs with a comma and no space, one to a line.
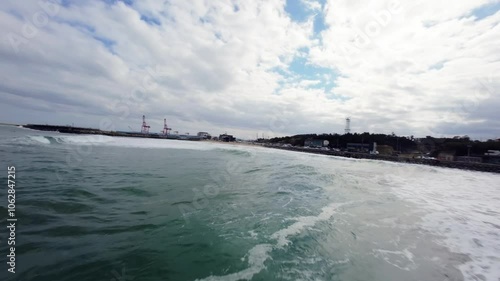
147,143
259,254
62,139
101,140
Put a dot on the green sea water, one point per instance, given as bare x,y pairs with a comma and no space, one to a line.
104,208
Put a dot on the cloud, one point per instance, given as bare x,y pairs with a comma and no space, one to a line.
387,53
249,66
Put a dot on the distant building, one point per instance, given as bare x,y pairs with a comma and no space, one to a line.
493,152
204,135
471,159
314,143
410,155
385,149
491,159
446,156
226,138
358,147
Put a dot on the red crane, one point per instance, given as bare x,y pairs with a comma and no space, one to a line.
145,127
165,128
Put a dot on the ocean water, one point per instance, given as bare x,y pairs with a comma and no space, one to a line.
104,208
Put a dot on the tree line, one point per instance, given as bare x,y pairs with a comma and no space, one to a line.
460,145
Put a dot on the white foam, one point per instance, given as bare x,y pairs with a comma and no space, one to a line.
83,139
256,258
63,139
400,259
253,234
302,222
260,253
37,139
147,143
463,208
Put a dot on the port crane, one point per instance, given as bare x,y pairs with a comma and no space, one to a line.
145,127
165,128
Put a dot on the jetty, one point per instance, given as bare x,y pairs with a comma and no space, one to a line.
92,131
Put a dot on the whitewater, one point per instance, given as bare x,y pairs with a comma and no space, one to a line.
99,207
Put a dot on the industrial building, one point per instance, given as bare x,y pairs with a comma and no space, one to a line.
204,135
226,138
358,147
470,159
314,143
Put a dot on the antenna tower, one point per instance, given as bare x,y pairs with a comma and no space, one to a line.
348,125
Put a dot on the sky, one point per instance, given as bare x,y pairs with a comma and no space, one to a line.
262,67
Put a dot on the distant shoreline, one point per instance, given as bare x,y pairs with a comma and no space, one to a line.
482,167
92,131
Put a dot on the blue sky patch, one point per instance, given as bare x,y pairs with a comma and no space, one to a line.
429,24
78,25
127,2
302,68
297,10
333,96
150,20
299,70
16,14
300,12
437,66
486,10
108,43
65,3
319,23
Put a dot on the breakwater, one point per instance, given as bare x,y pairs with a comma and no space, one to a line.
483,167
92,131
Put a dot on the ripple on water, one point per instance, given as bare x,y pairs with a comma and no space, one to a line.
60,206
129,190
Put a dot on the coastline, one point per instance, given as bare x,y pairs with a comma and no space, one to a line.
481,167
91,131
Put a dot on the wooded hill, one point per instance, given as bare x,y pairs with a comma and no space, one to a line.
404,144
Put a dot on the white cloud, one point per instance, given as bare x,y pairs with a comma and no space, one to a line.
212,66
312,5
386,54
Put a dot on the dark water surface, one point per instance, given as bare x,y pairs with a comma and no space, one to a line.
103,208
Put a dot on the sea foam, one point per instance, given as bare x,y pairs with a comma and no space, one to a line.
462,207
258,255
